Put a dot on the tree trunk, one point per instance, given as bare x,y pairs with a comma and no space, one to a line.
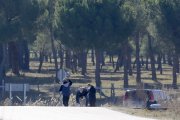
61,55
26,56
117,64
41,60
177,64
54,53
36,55
110,58
134,64
68,59
84,62
147,62
46,57
169,57
97,71
23,55
164,58
151,53
92,57
79,60
102,58
138,66
13,52
50,57
119,60
174,83
142,61
20,54
75,63
129,64
113,61
1,51
159,63
3,60
125,63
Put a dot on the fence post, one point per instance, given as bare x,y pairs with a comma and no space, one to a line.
24,87
112,91
10,94
38,85
54,94
1,90
100,92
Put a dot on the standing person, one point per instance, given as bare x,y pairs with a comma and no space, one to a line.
65,89
91,95
81,92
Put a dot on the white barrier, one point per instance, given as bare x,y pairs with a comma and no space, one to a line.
17,87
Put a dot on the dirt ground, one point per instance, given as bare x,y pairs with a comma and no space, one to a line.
171,113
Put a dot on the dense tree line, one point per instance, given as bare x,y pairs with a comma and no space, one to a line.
147,30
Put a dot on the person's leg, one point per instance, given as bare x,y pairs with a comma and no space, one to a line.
65,100
92,103
86,100
148,103
77,99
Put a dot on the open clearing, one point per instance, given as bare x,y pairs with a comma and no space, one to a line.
45,93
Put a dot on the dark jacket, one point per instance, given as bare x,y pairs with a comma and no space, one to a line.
81,94
92,94
65,88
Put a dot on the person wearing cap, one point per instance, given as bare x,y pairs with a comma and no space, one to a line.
65,90
91,95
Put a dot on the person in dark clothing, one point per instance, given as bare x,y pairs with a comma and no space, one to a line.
81,92
91,95
65,89
150,100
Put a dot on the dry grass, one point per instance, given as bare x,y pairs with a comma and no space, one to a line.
45,93
172,113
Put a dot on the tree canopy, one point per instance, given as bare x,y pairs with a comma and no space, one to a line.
171,19
96,24
18,17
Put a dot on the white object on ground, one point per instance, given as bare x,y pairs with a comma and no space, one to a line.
63,113
155,106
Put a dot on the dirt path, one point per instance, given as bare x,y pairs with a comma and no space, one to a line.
63,113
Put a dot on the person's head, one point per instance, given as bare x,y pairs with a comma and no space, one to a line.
65,81
81,89
89,86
